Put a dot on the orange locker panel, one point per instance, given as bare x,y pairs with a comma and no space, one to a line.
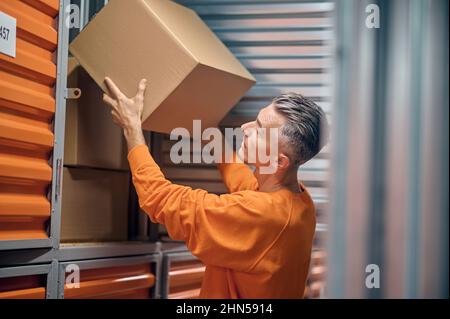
27,106
23,287
122,282
185,279
317,275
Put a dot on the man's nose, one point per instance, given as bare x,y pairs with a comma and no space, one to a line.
245,126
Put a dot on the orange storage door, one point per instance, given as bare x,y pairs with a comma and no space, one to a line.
27,107
24,287
122,282
185,279
315,285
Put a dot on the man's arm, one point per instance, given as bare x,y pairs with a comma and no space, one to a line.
236,175
134,137
127,112
230,230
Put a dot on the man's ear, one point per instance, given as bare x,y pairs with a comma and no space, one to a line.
283,161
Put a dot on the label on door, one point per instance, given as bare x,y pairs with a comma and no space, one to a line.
7,35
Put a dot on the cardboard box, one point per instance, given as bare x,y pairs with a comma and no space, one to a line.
191,74
92,139
94,205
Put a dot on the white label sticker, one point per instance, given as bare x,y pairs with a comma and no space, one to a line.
7,35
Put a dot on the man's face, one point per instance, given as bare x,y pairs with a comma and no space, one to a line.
256,142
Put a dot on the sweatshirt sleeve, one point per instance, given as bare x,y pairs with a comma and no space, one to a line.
230,230
237,176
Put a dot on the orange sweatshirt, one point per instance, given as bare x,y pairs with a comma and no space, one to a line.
254,244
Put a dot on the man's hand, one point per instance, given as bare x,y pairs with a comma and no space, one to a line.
127,112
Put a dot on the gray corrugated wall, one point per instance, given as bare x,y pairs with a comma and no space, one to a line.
389,182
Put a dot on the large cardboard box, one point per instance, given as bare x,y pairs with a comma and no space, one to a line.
191,74
91,137
94,205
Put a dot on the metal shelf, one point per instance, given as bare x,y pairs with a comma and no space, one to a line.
25,243
77,252
153,259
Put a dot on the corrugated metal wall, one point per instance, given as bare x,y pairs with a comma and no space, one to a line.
27,106
286,45
389,206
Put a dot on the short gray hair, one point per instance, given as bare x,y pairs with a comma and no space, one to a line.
306,128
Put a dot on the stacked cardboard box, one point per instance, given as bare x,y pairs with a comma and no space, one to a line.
95,178
95,205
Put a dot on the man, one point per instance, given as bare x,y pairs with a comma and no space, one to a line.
255,241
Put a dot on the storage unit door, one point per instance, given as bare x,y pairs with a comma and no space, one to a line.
134,281
315,285
24,287
26,281
185,279
27,107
